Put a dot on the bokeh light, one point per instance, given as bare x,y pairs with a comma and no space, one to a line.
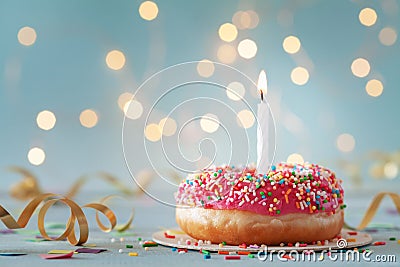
245,19
345,142
388,36
291,44
299,76
295,159
247,48
133,109
46,120
360,67
254,19
88,118
205,68
27,36
390,170
235,91
123,99
226,53
167,126
245,118
367,17
209,123
115,60
152,132
374,88
227,32
36,156
148,10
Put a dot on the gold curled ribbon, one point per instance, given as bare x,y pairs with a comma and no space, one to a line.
373,208
29,188
76,215
119,228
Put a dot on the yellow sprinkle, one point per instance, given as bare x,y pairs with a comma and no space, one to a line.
313,207
308,199
60,251
275,199
398,241
133,254
351,240
221,245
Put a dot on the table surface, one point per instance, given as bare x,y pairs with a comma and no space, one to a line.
151,216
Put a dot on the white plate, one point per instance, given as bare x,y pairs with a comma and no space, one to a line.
348,241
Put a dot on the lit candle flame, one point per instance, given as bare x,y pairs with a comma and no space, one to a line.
262,84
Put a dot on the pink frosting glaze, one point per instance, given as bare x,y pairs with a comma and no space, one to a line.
287,188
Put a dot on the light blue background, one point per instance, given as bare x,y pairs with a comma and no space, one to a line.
65,72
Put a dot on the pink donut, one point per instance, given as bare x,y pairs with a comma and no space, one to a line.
292,203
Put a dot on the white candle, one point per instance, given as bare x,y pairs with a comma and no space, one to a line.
262,126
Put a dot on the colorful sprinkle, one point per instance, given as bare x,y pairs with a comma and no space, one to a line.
168,236
229,257
287,188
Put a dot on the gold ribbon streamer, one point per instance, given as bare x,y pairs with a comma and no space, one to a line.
119,228
373,208
29,186
76,214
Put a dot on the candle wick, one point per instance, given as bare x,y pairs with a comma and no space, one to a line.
262,95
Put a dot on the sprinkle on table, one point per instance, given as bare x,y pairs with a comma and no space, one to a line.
392,239
149,244
134,254
379,243
232,257
129,246
207,256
